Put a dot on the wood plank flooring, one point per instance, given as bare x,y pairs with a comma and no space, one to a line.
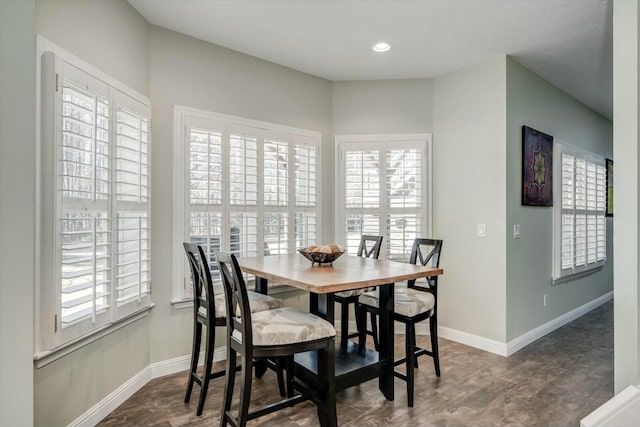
555,381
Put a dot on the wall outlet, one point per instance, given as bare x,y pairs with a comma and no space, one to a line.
482,230
544,300
516,231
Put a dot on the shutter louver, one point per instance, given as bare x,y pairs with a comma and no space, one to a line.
243,175
305,167
276,174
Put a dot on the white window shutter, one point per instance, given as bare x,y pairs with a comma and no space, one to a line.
384,182
582,227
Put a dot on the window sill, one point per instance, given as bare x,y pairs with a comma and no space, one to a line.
576,276
43,358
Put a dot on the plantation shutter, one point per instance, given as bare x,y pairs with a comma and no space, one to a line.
84,197
404,198
305,184
132,207
580,225
384,193
362,198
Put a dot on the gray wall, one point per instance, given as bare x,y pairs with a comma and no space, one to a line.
17,210
469,173
534,102
190,72
113,37
110,35
626,156
383,106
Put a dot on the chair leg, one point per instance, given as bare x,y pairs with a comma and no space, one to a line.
356,310
289,361
433,330
344,325
362,332
280,365
195,355
208,362
374,330
229,383
245,393
327,414
410,348
415,342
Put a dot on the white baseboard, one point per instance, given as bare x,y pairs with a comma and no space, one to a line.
155,370
181,363
509,348
542,330
476,341
167,367
116,398
623,409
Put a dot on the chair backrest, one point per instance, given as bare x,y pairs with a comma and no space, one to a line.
432,258
203,296
370,246
235,296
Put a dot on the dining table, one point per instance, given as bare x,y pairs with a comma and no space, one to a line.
322,281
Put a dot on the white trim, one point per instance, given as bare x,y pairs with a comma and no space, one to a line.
100,410
46,45
116,398
527,338
476,341
511,347
623,409
43,358
181,363
182,111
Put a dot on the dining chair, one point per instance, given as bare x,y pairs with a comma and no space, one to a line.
210,311
369,248
279,333
414,303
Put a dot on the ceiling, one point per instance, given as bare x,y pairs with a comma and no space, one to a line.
568,42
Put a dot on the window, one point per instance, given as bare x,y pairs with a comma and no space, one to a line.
382,190
579,211
95,245
242,186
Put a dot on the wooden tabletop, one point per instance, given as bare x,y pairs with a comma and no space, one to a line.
347,272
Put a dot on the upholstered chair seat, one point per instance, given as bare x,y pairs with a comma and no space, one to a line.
257,302
286,325
408,302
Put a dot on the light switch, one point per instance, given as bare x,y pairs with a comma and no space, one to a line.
516,231
482,230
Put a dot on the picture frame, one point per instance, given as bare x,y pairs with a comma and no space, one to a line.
609,163
537,168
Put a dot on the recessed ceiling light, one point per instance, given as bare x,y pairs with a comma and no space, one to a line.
381,47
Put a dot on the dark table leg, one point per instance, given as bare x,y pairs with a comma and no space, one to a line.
262,285
322,305
260,365
385,383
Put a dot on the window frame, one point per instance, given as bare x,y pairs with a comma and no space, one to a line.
559,274
384,142
50,344
186,117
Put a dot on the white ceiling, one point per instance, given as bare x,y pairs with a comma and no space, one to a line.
568,42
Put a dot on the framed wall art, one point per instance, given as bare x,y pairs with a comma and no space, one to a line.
537,168
609,187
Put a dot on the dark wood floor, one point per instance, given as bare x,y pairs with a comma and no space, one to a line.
555,381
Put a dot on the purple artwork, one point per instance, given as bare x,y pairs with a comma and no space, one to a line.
537,161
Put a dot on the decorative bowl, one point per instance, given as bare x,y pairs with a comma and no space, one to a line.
320,257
